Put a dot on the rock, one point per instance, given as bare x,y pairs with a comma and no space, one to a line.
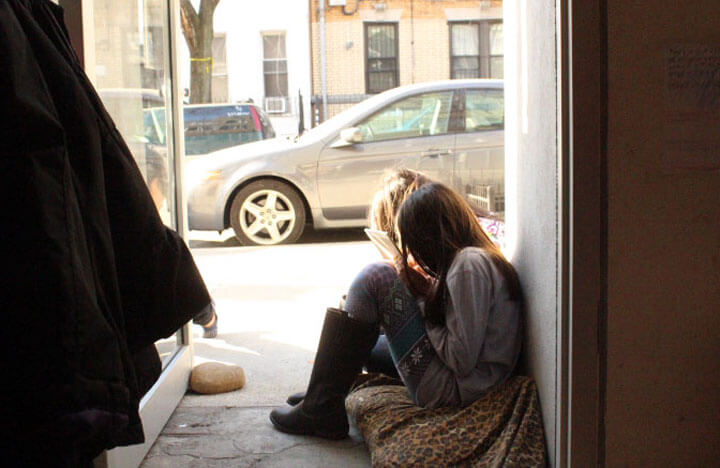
214,377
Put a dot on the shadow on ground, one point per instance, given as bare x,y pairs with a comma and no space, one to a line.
233,429
271,302
310,236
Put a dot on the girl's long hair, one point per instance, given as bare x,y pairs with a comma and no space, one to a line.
435,223
397,185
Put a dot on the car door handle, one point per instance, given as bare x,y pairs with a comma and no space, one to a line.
434,153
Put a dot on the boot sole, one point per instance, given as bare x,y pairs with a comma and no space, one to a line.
324,435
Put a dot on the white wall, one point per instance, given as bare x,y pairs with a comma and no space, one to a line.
243,23
531,179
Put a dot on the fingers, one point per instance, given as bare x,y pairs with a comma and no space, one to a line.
398,263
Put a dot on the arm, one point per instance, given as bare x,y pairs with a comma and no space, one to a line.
470,288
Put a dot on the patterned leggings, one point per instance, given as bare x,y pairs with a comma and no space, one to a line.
378,295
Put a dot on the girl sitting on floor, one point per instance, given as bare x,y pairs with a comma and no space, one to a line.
450,307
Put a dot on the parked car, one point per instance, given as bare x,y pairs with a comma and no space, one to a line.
212,127
269,190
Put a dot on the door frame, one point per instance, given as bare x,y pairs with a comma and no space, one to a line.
566,290
156,407
582,170
581,29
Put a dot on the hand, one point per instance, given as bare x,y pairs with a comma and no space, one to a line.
415,277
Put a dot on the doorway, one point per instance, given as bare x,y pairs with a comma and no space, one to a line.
554,222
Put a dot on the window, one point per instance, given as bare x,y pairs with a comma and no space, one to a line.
275,71
381,52
421,115
476,49
219,88
484,110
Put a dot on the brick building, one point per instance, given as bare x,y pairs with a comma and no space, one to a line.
362,47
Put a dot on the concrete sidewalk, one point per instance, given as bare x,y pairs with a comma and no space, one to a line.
271,302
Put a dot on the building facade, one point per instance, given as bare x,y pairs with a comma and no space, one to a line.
261,55
362,47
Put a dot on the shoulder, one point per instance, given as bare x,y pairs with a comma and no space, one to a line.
471,260
470,256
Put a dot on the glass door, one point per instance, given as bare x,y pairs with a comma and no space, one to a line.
128,49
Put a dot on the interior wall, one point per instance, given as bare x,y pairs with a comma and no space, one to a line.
663,341
531,186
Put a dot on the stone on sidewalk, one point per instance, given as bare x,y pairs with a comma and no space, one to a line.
215,377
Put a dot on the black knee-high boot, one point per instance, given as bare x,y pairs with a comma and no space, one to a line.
344,347
378,362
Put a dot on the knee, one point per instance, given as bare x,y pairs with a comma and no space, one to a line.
379,268
375,275
373,279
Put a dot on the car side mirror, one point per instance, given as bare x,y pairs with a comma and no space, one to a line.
348,137
351,135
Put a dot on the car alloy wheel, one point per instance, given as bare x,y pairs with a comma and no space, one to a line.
267,213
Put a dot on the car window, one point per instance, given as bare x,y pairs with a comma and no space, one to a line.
212,128
484,110
420,115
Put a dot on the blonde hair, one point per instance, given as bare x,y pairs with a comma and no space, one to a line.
397,186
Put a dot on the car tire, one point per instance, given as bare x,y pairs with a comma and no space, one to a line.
255,223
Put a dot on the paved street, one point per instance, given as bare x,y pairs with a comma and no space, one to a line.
271,302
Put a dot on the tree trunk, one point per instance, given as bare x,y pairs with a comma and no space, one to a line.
201,67
198,31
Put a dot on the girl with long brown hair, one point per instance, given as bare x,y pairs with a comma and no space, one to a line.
450,307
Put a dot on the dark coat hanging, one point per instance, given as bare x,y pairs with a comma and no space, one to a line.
90,277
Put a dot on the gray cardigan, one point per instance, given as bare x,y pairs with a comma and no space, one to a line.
480,342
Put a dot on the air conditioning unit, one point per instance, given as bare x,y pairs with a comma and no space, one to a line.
337,2
275,105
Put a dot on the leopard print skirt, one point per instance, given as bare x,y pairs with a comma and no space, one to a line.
501,429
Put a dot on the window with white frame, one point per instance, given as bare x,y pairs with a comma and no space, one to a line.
476,49
275,72
219,88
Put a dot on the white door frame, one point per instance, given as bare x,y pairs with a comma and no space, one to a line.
156,407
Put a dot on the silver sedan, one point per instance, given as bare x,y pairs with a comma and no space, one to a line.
268,191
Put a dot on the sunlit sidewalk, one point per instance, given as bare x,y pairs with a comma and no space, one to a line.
271,302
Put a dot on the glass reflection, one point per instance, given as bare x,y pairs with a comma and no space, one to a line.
132,78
